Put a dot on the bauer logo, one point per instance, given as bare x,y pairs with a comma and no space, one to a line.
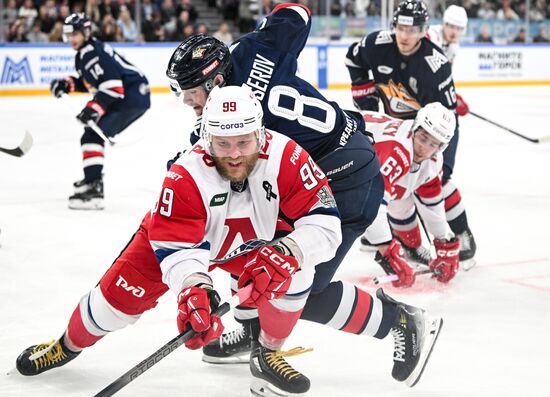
16,72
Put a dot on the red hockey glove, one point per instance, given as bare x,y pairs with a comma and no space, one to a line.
271,273
462,108
59,87
445,265
365,96
195,306
91,112
393,262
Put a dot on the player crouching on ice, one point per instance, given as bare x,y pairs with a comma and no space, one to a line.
234,182
120,96
410,153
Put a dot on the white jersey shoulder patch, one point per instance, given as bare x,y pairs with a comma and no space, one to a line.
436,60
383,37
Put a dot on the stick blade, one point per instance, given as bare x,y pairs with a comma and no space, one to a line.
23,147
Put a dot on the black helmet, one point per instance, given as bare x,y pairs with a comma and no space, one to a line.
196,61
77,23
412,13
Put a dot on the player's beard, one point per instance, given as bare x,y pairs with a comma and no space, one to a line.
236,175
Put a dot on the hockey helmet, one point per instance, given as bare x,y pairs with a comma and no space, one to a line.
232,111
438,121
76,23
456,15
411,13
196,61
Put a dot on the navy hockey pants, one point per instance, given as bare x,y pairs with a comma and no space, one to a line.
358,187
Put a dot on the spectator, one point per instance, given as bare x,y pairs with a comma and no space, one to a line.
183,21
349,8
109,30
486,11
18,31
46,21
542,36
10,13
201,29
28,12
484,35
335,8
52,9
507,12
56,35
107,7
185,5
148,10
247,16
92,11
167,12
36,35
223,34
230,9
127,25
521,37
64,12
152,29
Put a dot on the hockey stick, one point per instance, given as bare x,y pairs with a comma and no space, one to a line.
394,277
168,348
533,140
23,147
91,124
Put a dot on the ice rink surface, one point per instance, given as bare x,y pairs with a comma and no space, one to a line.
494,340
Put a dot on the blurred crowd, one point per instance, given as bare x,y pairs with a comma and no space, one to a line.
41,21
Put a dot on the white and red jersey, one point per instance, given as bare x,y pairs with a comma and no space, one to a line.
435,35
403,178
200,219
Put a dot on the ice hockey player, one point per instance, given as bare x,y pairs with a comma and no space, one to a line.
120,96
219,205
410,154
406,71
447,37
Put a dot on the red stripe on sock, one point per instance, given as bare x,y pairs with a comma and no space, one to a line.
77,332
360,313
87,155
452,200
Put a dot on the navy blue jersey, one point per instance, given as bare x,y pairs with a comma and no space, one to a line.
112,79
404,83
266,61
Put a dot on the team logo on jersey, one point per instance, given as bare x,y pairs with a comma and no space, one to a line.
383,37
198,53
16,72
218,199
383,69
269,191
397,100
436,60
138,291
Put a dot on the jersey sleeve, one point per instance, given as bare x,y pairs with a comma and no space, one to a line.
357,60
100,71
177,229
307,200
394,163
286,28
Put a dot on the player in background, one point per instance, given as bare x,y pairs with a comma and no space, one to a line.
406,71
410,152
266,61
447,37
120,96
219,206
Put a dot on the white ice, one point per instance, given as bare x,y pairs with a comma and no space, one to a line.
494,340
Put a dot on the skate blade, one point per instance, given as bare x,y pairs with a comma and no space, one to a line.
431,332
467,264
243,358
262,388
367,248
93,204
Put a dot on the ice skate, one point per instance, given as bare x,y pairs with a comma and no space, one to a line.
415,334
233,347
43,357
88,196
273,376
420,254
468,249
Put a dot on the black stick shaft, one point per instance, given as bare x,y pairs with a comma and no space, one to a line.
534,140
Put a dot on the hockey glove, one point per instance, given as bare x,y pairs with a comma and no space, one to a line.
58,87
270,270
393,262
91,112
195,307
445,265
365,96
462,108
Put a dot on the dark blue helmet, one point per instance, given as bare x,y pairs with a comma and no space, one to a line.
77,23
196,61
411,13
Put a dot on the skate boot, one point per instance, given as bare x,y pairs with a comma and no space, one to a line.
419,255
273,376
43,357
467,245
88,196
366,245
233,347
415,334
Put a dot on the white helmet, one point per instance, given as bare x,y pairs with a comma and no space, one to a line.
438,121
456,15
232,111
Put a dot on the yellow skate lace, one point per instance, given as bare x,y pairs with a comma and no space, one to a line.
277,362
46,354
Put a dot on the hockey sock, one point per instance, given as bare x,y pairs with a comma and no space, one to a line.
78,335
